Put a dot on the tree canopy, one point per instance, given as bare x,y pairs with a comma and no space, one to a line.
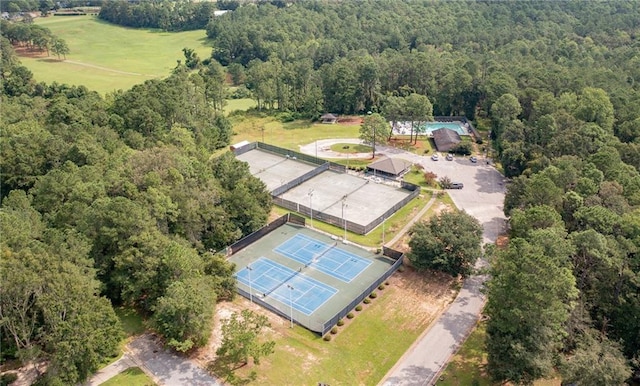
449,242
115,201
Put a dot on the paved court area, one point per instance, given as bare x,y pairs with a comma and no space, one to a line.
364,200
273,169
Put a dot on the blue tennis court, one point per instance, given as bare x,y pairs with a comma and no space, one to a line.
327,258
266,278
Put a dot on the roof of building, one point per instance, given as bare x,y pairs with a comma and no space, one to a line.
328,116
444,136
393,166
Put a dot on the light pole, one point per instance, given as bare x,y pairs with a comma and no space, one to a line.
310,194
383,220
250,284
374,137
344,221
290,303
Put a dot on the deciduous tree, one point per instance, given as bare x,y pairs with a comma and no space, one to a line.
449,242
374,130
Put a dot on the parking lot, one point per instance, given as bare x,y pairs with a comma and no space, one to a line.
484,187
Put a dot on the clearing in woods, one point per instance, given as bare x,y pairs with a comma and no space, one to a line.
110,57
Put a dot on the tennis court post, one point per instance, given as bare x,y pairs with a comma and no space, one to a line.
290,304
310,194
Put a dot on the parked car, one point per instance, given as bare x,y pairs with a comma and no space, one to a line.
434,157
449,157
456,185
473,159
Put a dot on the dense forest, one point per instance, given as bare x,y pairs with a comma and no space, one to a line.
122,188
115,201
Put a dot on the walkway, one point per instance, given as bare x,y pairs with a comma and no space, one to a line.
162,366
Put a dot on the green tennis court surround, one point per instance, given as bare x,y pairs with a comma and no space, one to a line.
307,276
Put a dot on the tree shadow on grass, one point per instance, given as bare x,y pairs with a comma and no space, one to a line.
224,369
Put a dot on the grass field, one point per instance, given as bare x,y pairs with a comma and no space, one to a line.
105,57
130,377
289,135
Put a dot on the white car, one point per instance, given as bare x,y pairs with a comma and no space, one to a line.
435,157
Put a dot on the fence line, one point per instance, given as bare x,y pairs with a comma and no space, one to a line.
307,321
245,241
244,149
328,325
295,182
322,166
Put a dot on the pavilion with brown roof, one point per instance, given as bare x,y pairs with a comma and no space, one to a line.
329,118
393,168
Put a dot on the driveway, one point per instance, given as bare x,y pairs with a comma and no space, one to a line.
163,366
483,198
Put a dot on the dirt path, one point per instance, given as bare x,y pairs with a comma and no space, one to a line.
106,69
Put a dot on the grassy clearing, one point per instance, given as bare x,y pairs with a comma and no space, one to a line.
132,325
468,365
106,57
243,104
132,322
350,148
130,377
289,135
374,238
361,354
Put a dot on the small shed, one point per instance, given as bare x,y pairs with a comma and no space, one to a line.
329,118
446,139
389,167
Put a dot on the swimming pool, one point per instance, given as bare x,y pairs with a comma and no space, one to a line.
404,128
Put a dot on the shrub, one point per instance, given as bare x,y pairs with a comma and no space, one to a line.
463,148
350,315
334,330
327,337
386,282
366,301
430,178
401,268
373,295
340,322
359,307
381,287
287,117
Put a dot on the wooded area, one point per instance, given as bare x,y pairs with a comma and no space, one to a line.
122,188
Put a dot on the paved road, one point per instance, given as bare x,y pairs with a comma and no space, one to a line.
164,367
481,197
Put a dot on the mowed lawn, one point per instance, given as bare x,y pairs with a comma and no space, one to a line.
105,57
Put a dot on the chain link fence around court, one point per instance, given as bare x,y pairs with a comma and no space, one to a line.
342,223
320,326
323,166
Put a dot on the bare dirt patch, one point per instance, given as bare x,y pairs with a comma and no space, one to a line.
350,120
26,52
